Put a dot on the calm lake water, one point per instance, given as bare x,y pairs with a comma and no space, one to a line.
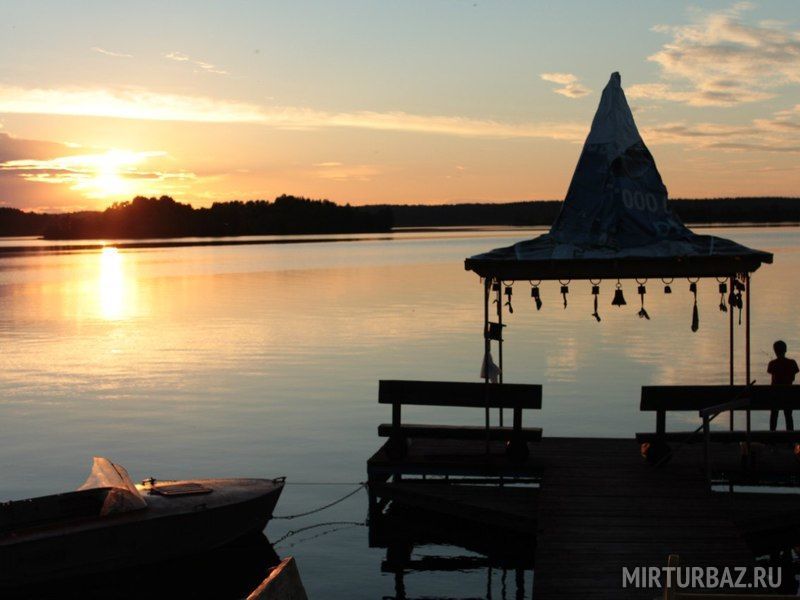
264,360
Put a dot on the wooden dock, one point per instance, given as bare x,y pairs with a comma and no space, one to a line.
598,507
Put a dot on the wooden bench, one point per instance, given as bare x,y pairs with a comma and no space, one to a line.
516,397
697,398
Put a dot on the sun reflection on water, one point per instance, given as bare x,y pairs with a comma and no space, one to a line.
113,295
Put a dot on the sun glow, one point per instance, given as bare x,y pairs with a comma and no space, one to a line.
113,174
108,177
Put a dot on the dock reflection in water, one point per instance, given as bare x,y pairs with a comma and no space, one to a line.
227,573
418,541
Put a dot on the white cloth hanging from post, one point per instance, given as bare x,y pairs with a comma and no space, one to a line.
489,368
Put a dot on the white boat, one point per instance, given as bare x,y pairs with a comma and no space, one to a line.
111,523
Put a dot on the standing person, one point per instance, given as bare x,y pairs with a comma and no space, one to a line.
783,371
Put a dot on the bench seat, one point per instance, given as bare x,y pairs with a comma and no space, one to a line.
460,393
764,437
461,432
660,398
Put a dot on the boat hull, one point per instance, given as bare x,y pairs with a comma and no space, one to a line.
168,528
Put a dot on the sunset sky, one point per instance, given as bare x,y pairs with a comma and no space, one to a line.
412,101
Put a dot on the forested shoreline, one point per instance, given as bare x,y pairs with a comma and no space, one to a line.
544,212
165,218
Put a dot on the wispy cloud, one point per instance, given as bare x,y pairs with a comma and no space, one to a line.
143,104
131,103
720,60
100,50
199,64
778,134
14,148
336,171
570,87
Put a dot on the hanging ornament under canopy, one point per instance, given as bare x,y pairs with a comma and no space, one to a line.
564,290
695,313
508,291
642,290
723,289
667,285
737,297
619,298
535,294
595,293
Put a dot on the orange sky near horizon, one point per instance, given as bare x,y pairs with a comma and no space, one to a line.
414,103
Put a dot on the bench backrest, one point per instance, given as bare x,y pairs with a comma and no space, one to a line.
698,397
457,393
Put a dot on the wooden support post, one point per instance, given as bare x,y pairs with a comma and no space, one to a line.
487,343
747,347
487,346
373,511
707,447
730,331
396,419
500,342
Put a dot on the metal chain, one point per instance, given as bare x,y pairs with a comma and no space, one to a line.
321,508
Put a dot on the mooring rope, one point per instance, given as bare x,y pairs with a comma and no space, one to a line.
350,483
361,486
337,526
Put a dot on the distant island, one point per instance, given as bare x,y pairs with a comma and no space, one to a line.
165,218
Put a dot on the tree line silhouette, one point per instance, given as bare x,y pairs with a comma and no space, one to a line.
544,212
164,217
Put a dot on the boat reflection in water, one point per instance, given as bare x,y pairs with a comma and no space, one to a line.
231,572
418,541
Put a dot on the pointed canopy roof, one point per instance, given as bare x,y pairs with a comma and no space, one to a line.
616,220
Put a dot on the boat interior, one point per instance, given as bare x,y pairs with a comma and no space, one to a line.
57,508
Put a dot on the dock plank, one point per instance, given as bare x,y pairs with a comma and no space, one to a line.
601,509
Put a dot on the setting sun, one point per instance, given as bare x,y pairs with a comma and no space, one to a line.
110,175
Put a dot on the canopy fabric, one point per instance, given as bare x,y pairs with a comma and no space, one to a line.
616,220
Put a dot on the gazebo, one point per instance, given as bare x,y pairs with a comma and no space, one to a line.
616,224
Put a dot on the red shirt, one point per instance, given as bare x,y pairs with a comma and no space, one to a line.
782,370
